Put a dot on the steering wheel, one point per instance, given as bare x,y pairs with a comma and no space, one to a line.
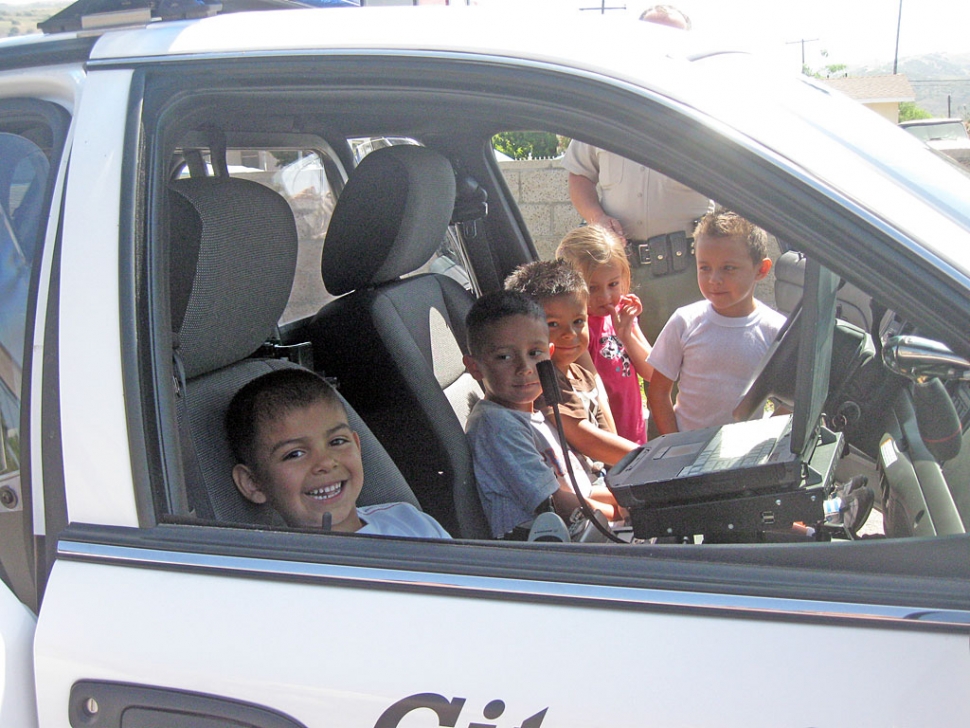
776,375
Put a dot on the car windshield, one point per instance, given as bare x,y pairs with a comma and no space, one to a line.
951,130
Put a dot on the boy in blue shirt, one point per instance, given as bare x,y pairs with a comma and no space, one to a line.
585,411
519,465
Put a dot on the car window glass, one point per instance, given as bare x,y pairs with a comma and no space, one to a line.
23,179
30,133
538,183
935,132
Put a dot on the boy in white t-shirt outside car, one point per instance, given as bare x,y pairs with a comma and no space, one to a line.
711,348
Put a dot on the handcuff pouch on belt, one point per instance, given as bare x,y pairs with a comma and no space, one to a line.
664,254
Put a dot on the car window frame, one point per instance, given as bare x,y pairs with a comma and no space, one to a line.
665,148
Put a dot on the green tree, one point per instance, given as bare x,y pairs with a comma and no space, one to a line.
908,111
527,144
836,70
831,70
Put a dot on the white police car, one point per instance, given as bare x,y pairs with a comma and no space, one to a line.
149,268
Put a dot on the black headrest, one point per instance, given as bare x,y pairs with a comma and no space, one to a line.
390,218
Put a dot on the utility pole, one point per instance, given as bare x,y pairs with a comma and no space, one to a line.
899,24
803,41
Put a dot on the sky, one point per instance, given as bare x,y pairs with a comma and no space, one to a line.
851,31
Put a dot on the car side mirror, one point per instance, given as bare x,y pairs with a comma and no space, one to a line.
922,359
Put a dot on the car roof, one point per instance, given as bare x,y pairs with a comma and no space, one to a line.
823,137
813,129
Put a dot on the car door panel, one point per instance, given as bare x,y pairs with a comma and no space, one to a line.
17,624
336,644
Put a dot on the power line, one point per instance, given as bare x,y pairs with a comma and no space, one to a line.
603,7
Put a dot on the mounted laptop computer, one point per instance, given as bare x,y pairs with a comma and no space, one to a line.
751,476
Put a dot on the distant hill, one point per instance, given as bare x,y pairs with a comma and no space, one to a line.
935,77
23,19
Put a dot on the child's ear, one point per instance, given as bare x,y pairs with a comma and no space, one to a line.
471,364
552,349
242,476
763,269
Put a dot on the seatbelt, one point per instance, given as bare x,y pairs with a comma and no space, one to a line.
198,498
468,217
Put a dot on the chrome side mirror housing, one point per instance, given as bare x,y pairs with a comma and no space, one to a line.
922,359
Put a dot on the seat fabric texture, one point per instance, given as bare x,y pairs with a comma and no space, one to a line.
234,246
853,304
395,343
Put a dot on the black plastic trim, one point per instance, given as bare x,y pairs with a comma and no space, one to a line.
47,53
102,704
133,275
52,454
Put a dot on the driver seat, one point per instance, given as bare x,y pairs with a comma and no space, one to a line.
395,338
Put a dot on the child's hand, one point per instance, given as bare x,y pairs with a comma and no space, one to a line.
625,315
631,301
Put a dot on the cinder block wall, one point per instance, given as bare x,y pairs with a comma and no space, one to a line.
539,186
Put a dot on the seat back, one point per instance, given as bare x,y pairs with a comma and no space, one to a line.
852,304
396,343
233,258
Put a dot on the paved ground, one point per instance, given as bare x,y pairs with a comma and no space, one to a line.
872,526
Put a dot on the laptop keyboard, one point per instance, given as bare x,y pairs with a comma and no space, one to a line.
738,447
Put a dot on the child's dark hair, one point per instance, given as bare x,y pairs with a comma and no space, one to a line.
727,224
266,399
545,279
494,307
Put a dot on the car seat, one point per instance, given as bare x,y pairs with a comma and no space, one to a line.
395,342
853,305
232,262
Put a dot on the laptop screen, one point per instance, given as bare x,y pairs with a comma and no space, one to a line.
799,375
814,356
